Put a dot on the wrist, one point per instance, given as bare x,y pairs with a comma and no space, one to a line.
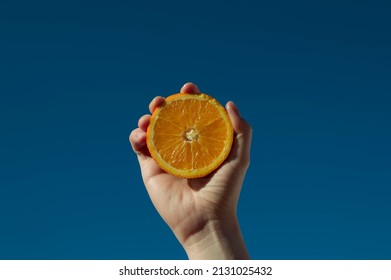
217,240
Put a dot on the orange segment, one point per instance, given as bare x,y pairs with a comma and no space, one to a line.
190,135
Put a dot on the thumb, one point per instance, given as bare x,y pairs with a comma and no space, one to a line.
243,134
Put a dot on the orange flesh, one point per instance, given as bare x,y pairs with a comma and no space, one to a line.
190,135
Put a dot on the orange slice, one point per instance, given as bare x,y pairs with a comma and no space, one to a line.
190,135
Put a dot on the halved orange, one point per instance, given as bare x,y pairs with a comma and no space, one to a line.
190,135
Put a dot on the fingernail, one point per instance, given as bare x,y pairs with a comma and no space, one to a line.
190,88
235,108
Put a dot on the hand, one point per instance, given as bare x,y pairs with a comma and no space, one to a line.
201,212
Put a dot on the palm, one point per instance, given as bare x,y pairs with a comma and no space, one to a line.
188,204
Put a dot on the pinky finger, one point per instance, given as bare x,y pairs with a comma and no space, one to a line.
137,139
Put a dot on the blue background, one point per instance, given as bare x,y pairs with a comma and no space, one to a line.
312,77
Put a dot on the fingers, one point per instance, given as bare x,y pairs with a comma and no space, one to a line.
190,88
156,102
137,137
186,88
242,130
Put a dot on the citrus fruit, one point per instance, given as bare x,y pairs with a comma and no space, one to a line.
189,135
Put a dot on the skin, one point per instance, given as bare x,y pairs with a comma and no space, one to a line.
201,212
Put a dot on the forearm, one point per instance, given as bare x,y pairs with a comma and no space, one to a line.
218,241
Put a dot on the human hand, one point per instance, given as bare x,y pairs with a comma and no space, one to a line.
202,211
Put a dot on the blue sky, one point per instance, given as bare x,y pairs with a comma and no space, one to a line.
312,78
